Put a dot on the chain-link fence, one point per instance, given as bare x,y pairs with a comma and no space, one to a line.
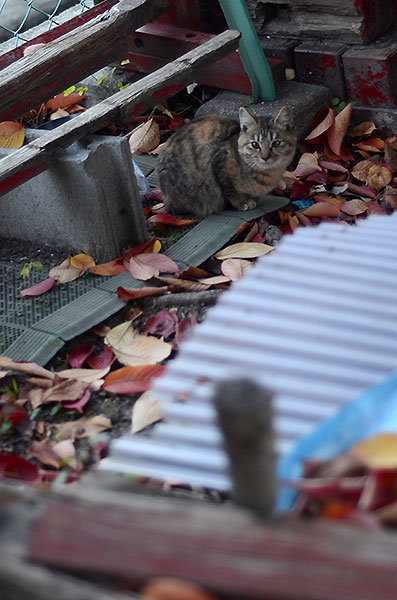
18,16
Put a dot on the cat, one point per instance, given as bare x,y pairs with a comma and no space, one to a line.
215,162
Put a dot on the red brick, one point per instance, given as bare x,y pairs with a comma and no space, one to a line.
321,64
371,75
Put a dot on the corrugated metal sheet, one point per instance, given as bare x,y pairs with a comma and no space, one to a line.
316,321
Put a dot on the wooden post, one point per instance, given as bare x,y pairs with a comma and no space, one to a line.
245,418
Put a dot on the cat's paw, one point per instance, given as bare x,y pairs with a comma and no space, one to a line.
247,204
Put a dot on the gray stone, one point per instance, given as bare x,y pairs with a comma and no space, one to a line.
87,201
304,99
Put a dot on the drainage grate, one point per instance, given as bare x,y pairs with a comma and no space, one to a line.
316,321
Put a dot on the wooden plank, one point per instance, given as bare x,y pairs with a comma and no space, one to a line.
118,108
227,550
40,75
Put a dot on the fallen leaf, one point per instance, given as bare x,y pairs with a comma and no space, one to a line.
142,350
30,368
364,128
113,267
45,453
167,219
14,467
79,355
39,288
62,101
307,165
66,391
145,137
83,375
78,404
185,328
322,209
146,411
102,360
371,145
244,250
12,134
84,427
216,279
150,264
183,285
354,207
126,294
332,166
164,323
337,132
32,48
379,176
65,272
325,124
132,380
59,114
378,451
67,453
83,262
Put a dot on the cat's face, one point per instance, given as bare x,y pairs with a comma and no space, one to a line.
267,143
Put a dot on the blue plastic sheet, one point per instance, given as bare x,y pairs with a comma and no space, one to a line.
374,411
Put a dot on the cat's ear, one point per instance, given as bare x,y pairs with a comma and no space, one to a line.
285,118
246,119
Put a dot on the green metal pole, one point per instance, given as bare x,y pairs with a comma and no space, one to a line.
254,61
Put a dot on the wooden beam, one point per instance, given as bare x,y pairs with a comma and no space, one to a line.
40,75
226,549
117,108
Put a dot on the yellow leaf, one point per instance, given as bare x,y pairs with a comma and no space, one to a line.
244,250
378,451
12,134
215,280
82,262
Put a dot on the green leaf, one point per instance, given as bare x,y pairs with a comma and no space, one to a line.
5,426
37,265
55,409
69,90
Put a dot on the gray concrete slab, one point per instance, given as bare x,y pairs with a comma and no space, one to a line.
87,201
304,99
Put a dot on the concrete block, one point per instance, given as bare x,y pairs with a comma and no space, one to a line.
321,64
87,201
274,47
384,118
371,75
304,99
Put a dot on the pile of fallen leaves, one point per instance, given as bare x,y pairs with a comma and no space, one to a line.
359,485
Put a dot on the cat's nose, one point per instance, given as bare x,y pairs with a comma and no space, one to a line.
264,154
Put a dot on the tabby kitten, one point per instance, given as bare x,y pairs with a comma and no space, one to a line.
214,162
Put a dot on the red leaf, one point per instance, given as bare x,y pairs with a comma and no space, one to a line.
318,177
79,355
139,249
164,323
39,288
17,416
102,360
131,380
15,467
300,189
156,195
148,265
78,404
125,293
167,219
62,101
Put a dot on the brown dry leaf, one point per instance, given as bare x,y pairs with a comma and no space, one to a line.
360,170
371,145
146,411
66,391
84,375
29,368
323,126
59,114
158,148
234,268
45,453
364,128
12,134
145,137
307,165
84,427
244,250
354,207
337,132
131,348
67,453
378,177
378,451
215,280
389,200
183,285
65,272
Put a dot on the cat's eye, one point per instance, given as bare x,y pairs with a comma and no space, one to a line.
255,145
277,143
